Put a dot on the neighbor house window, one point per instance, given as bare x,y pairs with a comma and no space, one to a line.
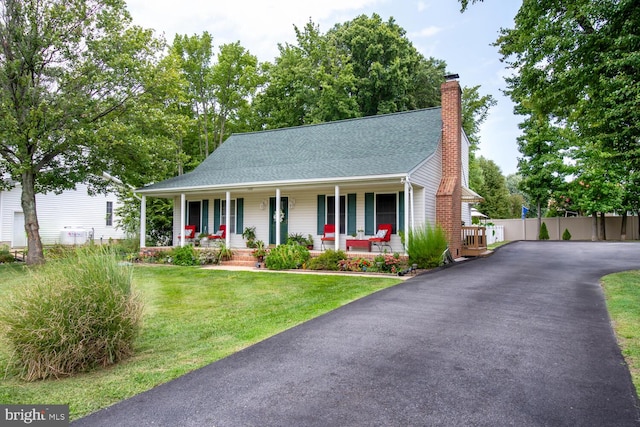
109,213
386,210
223,215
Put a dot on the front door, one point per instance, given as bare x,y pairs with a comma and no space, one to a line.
193,215
283,216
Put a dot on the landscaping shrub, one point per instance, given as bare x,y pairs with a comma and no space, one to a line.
566,235
426,245
544,233
208,256
184,255
328,260
5,255
387,263
286,257
71,315
355,264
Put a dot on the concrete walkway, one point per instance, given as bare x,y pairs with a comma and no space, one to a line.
519,338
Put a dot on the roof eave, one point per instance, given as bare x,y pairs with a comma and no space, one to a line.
168,192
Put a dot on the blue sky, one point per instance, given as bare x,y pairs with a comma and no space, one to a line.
436,28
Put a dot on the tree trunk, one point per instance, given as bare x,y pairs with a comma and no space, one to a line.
603,231
623,228
594,227
28,201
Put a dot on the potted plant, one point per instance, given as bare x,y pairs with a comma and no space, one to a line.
259,251
224,253
297,238
309,242
249,234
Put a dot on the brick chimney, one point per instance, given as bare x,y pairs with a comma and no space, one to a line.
449,196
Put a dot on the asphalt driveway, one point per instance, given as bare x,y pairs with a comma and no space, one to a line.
520,338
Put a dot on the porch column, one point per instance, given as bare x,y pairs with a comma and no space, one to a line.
337,217
182,224
227,213
143,222
276,216
408,212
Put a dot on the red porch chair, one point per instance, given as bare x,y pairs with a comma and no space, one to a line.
329,235
382,237
221,234
189,233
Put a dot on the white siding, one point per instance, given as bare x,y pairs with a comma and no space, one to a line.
71,208
302,216
427,176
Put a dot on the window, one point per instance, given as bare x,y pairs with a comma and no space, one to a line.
223,215
109,215
386,210
331,212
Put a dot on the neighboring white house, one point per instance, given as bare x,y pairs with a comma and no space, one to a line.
72,216
403,169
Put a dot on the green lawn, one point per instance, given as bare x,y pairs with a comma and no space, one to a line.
192,317
622,291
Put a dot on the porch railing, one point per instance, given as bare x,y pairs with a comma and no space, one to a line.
474,241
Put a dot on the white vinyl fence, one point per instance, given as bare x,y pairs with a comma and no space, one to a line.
495,233
579,227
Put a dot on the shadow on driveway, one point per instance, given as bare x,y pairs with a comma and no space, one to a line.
519,338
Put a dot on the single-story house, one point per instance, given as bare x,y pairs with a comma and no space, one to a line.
73,216
402,169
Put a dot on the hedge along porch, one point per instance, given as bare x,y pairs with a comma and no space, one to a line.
404,169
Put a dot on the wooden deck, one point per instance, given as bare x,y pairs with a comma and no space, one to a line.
474,241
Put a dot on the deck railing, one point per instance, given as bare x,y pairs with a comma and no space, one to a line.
474,241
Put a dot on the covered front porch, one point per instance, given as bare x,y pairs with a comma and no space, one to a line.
355,207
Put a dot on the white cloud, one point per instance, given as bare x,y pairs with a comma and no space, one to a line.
259,25
426,32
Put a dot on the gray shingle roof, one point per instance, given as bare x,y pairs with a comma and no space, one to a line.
377,145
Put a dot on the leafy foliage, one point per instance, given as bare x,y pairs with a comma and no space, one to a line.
359,68
5,255
493,190
388,263
576,75
72,315
286,257
426,245
566,235
544,233
67,71
184,255
328,260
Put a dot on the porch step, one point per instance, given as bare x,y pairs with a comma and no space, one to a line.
237,263
241,258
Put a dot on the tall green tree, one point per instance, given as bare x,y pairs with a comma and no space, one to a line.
310,82
196,59
235,79
359,68
543,148
577,62
496,202
67,69
391,75
475,110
